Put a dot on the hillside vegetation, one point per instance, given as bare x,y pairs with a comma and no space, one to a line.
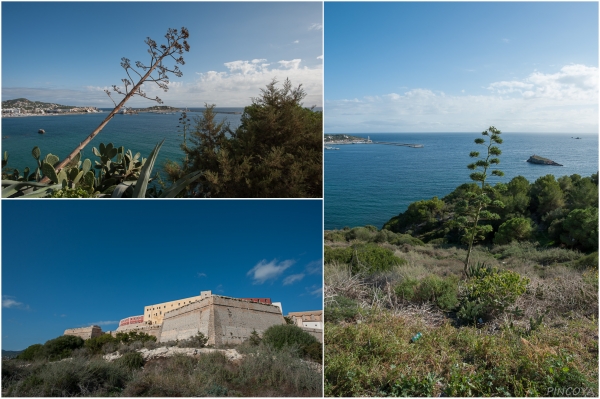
285,362
403,319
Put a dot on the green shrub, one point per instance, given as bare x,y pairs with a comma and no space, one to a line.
370,258
359,233
515,229
96,344
335,236
491,293
339,255
342,309
132,336
255,339
396,238
31,352
441,291
406,289
197,341
131,360
282,335
60,347
587,262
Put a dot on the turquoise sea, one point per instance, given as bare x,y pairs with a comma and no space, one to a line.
370,183
139,133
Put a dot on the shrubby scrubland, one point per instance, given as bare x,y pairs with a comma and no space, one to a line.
284,362
521,322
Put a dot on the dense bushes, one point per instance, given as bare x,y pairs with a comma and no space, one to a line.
490,293
267,372
371,234
364,258
560,212
279,336
515,229
54,349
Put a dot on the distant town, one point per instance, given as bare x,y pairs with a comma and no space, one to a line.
23,107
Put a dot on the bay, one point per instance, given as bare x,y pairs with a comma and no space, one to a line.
371,183
139,133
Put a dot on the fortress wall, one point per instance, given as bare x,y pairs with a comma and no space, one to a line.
141,327
84,332
235,319
187,321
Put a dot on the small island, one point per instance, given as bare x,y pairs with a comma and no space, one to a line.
542,161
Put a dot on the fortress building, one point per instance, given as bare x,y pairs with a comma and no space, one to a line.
222,319
309,319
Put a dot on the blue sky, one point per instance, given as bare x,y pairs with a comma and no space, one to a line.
75,263
461,67
68,52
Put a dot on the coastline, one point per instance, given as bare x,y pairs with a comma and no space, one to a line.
61,114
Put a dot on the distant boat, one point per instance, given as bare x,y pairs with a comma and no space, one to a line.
41,131
331,148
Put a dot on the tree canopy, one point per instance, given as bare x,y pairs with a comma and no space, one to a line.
275,152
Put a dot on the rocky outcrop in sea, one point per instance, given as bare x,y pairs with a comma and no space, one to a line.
542,161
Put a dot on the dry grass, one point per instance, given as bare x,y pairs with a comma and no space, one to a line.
371,355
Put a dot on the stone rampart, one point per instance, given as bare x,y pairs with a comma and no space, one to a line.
223,320
85,332
187,321
235,319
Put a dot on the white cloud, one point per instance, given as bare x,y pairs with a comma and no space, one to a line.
102,323
233,87
315,27
314,267
293,278
575,82
293,64
242,82
264,270
320,57
296,41
9,302
200,275
565,101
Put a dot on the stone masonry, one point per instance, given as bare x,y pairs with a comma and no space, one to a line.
222,319
85,332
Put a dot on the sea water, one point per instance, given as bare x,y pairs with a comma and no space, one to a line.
138,132
371,183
